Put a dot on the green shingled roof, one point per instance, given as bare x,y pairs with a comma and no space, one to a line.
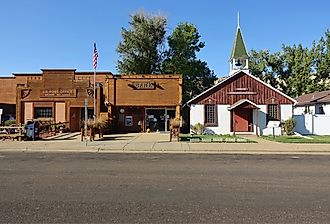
239,49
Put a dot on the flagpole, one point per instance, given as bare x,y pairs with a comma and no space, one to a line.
94,92
94,85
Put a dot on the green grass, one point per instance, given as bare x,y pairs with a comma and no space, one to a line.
186,138
297,139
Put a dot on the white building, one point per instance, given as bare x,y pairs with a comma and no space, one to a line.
241,103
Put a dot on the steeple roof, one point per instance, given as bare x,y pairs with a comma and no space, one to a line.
239,50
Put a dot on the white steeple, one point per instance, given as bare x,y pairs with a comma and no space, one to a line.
239,56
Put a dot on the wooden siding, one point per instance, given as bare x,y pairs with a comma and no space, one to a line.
8,87
54,80
58,79
167,91
239,87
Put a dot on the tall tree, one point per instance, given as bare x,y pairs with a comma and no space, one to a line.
140,51
264,65
181,58
322,61
295,70
299,62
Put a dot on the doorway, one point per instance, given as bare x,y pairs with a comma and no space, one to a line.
243,120
158,119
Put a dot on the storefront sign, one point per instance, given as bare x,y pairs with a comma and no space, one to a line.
58,93
144,85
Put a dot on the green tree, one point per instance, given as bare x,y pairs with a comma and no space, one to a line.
290,70
298,78
140,51
322,62
181,58
295,70
265,66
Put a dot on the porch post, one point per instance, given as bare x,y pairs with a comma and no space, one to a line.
144,120
177,111
234,121
257,122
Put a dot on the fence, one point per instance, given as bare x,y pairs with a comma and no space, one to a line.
312,124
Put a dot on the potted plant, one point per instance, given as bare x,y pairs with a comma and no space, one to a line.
175,123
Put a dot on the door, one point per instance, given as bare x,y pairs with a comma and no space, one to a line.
243,120
155,119
75,119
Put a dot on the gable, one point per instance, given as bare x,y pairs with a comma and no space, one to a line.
243,86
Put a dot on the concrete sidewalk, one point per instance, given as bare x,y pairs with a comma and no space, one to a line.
158,143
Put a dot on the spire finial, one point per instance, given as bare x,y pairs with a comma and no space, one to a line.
238,18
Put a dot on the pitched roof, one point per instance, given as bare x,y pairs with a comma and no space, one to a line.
239,49
236,73
312,98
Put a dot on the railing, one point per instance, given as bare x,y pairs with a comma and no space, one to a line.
49,127
10,131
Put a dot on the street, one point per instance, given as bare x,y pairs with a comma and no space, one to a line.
105,187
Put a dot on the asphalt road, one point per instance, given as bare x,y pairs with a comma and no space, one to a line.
91,187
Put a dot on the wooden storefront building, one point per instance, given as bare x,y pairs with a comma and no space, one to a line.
130,103
138,102
59,95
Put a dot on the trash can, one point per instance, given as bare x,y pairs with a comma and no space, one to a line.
32,129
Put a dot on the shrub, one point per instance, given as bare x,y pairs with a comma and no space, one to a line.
10,122
289,126
198,129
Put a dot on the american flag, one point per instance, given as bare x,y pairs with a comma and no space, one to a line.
95,56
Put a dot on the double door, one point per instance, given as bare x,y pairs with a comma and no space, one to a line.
158,119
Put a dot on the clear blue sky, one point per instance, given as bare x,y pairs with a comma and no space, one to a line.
38,34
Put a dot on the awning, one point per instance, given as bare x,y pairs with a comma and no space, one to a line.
243,102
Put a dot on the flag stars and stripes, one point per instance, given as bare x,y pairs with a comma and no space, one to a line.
95,56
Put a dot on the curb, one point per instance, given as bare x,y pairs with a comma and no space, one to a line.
133,151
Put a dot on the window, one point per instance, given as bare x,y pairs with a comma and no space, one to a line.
43,112
272,112
210,114
321,111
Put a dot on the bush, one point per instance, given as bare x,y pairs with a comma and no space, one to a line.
289,126
10,122
198,129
